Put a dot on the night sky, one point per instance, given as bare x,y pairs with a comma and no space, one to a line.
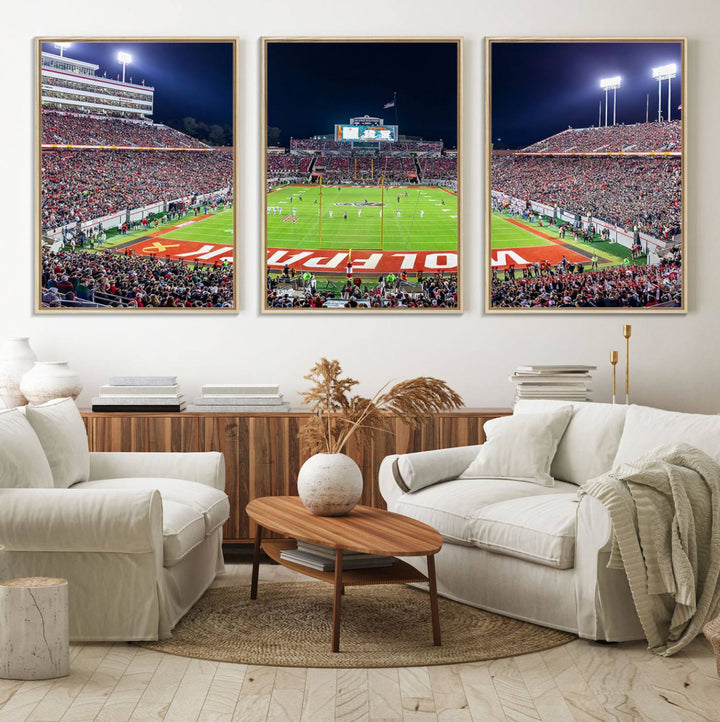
190,79
539,89
313,86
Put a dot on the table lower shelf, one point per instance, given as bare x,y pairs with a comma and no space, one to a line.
399,573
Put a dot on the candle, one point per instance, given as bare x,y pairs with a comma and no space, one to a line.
627,330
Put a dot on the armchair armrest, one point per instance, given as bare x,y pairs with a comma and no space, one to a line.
403,473
81,520
202,467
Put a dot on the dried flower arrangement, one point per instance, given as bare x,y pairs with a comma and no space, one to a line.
339,415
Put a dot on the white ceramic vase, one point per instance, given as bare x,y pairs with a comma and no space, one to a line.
49,380
330,484
16,358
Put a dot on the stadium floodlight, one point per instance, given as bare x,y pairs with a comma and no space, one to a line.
664,72
125,59
610,84
62,47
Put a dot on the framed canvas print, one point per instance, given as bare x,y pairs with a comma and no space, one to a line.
361,172
136,175
585,175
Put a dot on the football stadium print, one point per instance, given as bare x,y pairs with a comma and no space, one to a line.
586,202
361,202
136,175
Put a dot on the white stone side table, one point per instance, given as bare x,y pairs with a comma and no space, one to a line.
34,628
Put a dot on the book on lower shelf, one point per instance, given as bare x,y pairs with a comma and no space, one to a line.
322,563
329,552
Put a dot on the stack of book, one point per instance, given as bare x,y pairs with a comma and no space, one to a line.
240,398
322,558
564,382
140,393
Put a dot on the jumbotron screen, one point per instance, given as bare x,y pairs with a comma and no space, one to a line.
366,133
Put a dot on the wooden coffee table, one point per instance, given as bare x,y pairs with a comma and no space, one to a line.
364,529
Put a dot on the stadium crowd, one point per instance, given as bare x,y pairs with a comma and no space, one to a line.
361,166
336,146
390,292
281,165
86,184
625,191
644,137
76,129
115,91
128,281
313,146
441,168
633,286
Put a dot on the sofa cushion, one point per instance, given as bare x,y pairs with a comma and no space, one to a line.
453,507
540,529
520,447
591,439
183,530
61,431
647,428
212,504
22,460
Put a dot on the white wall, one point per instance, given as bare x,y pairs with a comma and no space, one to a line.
674,357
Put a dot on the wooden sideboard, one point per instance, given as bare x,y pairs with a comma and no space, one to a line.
262,453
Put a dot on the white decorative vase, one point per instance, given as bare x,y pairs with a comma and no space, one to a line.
16,358
49,380
330,484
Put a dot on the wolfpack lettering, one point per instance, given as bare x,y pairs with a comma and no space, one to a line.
504,257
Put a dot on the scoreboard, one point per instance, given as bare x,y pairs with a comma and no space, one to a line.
366,133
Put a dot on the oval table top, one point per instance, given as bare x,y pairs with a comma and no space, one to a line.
364,529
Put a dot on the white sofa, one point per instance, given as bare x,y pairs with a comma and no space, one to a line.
138,536
539,553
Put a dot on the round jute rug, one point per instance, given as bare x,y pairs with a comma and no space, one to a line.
289,625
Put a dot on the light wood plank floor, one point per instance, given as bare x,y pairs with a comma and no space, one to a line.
580,681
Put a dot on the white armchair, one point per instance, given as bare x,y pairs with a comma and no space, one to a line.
137,536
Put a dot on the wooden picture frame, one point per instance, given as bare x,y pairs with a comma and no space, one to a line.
361,193
136,178
585,175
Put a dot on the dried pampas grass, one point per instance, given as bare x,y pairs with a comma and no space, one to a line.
339,415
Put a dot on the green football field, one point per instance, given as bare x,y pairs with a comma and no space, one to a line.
427,218
506,235
218,228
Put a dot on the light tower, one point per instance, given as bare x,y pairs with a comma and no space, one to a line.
664,72
62,47
125,59
610,84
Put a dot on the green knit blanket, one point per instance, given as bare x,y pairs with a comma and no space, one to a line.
665,512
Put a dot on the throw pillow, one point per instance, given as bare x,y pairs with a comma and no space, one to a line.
647,428
22,460
590,442
61,431
520,447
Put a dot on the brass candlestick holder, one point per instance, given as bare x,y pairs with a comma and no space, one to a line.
613,360
627,331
